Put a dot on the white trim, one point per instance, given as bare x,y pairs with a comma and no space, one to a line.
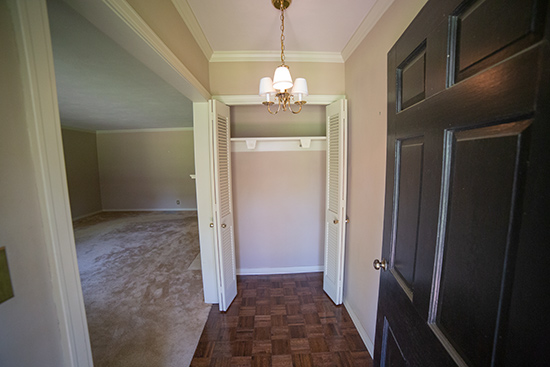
282,144
247,100
190,20
136,210
87,215
42,119
153,130
275,56
205,214
360,329
366,26
286,270
127,13
152,210
78,129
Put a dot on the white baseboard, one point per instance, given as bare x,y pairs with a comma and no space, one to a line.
362,332
152,210
287,270
86,215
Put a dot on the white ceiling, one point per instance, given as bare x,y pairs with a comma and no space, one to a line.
100,86
254,25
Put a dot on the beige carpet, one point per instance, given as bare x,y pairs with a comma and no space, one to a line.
142,287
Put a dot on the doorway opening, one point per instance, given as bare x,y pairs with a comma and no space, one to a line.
128,146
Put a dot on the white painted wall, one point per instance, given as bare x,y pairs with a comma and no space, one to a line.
80,152
147,170
279,211
366,90
256,121
278,197
234,78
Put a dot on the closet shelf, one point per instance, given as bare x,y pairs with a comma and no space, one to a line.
279,144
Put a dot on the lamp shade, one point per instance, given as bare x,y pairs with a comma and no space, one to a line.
300,86
266,86
282,79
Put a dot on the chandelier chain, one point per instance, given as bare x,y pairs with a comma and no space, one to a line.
282,33
281,91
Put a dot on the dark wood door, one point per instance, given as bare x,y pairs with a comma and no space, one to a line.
466,227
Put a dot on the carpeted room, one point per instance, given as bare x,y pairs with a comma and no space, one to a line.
129,157
140,270
142,286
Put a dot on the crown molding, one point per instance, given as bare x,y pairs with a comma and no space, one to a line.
290,56
246,100
127,13
145,130
190,20
366,26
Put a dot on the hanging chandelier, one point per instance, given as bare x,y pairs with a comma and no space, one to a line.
281,89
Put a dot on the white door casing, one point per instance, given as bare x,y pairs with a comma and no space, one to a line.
336,192
223,203
32,33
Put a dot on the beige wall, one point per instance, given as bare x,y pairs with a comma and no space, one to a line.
146,170
366,89
80,151
29,328
165,21
255,121
243,78
279,209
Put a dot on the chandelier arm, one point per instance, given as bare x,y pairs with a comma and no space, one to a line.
269,109
295,112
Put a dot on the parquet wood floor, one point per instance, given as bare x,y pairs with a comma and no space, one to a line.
279,321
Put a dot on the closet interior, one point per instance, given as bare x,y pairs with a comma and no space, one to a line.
279,179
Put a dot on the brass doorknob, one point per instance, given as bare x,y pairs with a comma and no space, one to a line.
335,221
224,225
211,225
380,264
347,220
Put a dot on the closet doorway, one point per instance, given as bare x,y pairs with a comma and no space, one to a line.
288,194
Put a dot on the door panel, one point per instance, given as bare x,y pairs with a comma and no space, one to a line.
223,204
519,25
335,223
391,352
411,78
515,23
479,194
408,179
466,223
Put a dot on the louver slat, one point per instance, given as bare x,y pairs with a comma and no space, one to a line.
223,159
334,158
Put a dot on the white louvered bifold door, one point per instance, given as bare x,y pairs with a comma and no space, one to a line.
335,226
223,204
